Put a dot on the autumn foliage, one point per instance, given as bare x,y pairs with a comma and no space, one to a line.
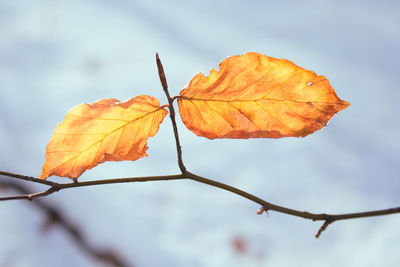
254,96
251,96
107,130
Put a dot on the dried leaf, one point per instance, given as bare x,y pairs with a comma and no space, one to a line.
254,96
107,130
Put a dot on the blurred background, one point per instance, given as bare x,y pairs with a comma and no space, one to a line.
55,55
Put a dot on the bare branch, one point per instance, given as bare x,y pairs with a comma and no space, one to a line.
31,196
171,113
27,178
54,187
266,206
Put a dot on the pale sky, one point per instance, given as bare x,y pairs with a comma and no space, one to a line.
57,54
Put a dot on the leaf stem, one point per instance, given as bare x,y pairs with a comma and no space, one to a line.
171,113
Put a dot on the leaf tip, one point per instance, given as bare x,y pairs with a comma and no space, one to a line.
345,104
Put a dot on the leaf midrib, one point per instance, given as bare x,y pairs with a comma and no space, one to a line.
255,100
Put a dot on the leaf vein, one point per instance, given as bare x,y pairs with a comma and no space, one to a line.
270,113
93,144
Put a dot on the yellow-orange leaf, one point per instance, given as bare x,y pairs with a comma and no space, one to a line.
107,130
254,96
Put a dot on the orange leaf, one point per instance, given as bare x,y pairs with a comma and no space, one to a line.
107,130
254,96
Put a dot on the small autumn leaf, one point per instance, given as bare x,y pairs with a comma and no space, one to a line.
107,130
254,96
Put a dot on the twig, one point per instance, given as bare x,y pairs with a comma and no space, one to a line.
171,113
328,218
324,226
54,187
267,206
27,178
55,216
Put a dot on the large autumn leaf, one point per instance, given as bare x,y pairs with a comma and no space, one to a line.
254,96
107,130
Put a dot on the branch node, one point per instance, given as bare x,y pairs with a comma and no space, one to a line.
260,211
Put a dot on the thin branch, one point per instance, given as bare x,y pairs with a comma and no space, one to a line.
54,187
266,206
55,216
171,113
123,180
27,178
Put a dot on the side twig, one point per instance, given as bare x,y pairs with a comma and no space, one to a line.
171,112
27,178
55,187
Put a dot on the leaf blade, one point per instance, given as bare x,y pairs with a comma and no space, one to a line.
107,130
256,96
